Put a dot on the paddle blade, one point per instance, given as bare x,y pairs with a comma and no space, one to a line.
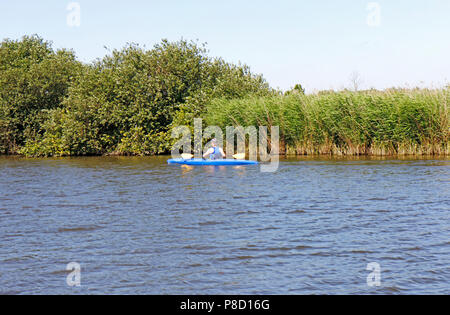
239,156
187,156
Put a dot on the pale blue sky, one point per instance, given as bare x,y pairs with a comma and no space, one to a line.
316,43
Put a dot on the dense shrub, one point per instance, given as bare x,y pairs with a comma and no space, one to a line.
33,77
128,102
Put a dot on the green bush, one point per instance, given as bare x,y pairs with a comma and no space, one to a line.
33,77
128,102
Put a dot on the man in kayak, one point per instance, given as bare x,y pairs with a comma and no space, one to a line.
214,153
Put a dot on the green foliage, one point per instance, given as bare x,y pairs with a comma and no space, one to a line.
370,122
33,78
128,102
298,89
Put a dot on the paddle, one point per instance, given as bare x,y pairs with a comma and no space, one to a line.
239,156
187,156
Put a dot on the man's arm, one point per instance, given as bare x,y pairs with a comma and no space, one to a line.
223,153
210,151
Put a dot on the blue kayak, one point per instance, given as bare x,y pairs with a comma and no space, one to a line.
211,162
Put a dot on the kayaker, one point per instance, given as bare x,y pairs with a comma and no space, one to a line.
214,153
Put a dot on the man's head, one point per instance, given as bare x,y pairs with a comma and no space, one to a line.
214,142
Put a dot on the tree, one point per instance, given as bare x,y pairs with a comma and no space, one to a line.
298,89
128,102
355,80
33,78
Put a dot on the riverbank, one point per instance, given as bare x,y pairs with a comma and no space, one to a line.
395,122
129,102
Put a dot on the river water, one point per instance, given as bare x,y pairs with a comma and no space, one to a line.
140,226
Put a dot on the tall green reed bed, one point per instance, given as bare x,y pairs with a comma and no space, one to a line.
391,122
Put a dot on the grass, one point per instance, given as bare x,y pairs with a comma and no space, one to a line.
379,123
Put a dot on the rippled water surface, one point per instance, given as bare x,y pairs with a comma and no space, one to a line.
140,226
